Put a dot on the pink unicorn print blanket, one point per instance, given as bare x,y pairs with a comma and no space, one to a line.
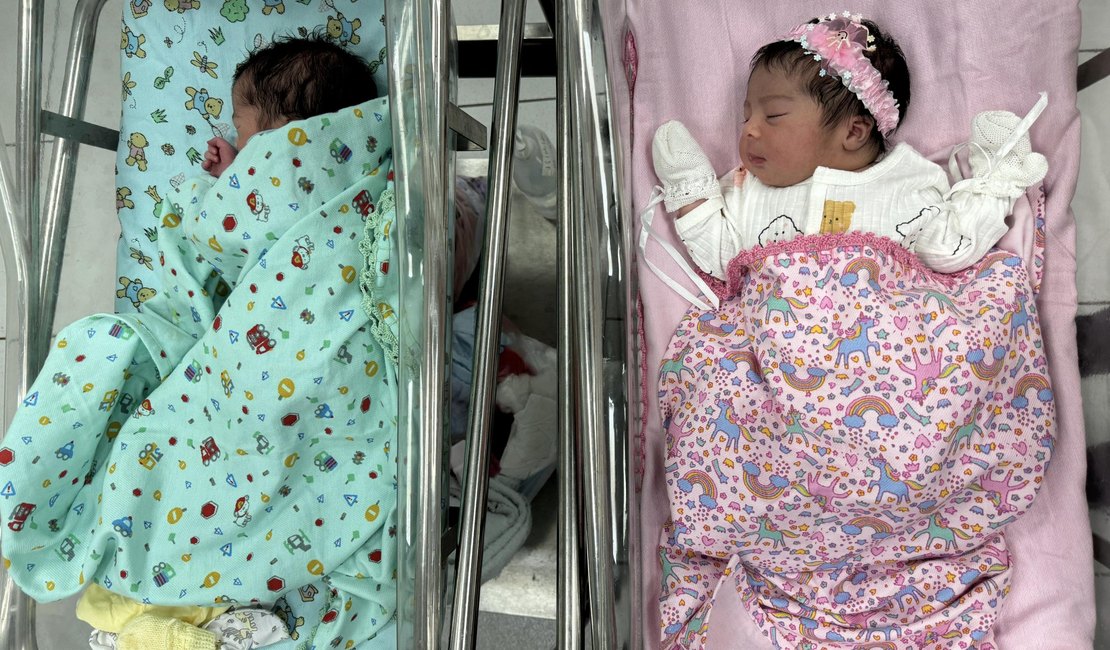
848,437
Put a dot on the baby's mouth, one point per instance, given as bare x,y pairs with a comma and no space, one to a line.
756,160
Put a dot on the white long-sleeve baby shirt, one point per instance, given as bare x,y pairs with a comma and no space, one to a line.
903,196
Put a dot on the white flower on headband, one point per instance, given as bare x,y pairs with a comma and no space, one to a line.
840,42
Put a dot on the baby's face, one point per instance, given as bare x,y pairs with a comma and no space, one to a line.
782,141
248,119
245,117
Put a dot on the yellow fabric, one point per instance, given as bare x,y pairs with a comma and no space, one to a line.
150,632
108,611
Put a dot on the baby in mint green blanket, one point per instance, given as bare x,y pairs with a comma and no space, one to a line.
231,441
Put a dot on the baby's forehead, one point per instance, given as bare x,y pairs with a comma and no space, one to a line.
770,83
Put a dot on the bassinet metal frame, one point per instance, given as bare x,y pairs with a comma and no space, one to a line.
422,75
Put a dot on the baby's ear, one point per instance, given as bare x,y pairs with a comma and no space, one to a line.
858,133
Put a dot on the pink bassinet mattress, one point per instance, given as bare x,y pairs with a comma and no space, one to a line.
689,61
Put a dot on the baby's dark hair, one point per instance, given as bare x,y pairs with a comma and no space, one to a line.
836,101
297,78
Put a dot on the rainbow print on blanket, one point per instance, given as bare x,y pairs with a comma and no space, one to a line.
848,437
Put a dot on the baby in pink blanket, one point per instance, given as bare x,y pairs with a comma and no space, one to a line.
849,432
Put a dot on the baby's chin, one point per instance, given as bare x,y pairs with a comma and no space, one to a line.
772,178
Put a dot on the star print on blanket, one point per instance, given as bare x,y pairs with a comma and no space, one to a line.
231,441
847,438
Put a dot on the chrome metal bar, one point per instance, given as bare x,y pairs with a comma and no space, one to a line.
569,614
472,131
1094,69
588,315
17,611
63,164
617,404
430,22
468,574
491,32
79,131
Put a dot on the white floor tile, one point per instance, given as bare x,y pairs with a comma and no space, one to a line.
480,91
527,585
58,627
1096,24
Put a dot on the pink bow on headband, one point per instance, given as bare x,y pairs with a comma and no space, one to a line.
838,43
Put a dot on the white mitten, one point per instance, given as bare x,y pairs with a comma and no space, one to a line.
1018,169
683,167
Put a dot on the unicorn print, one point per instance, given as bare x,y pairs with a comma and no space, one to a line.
1018,318
675,365
727,424
926,374
824,495
767,530
794,426
906,593
851,444
966,430
857,341
888,482
937,530
669,572
784,306
944,302
1000,490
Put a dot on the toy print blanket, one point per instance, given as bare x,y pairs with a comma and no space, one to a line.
848,436
230,441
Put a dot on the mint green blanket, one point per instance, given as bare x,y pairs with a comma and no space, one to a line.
231,441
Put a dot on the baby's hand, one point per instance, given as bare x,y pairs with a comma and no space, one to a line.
683,167
218,157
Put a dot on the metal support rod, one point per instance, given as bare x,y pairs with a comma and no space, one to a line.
611,293
626,555
588,315
63,164
79,131
17,610
1092,70
488,335
569,615
430,22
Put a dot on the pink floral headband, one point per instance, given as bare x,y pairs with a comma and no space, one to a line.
838,43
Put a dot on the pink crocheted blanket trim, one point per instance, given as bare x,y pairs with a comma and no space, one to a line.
831,241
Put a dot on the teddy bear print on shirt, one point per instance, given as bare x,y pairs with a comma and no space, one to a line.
781,228
837,216
909,230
